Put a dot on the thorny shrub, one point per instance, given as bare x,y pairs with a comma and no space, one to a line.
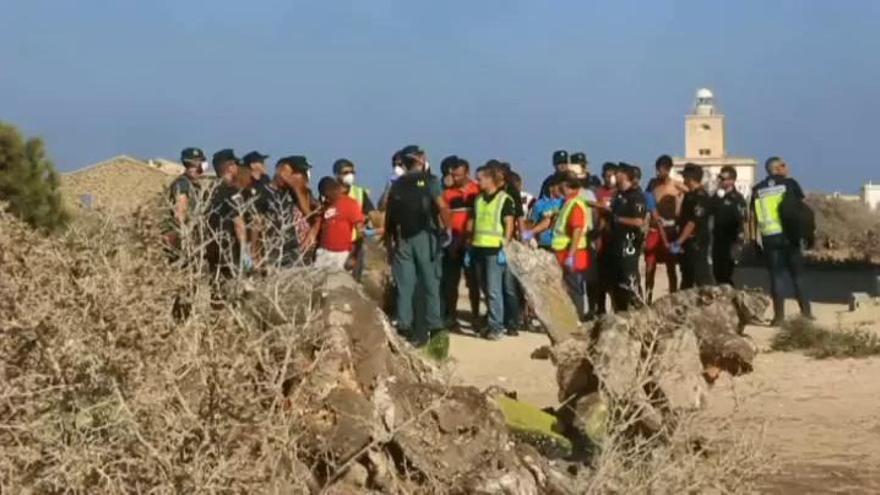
103,390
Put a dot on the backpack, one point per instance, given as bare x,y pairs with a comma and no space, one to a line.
798,221
411,204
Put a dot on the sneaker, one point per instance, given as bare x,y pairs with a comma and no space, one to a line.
512,332
494,335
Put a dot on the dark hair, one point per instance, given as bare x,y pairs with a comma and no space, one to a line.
663,161
326,184
340,164
770,162
637,172
728,170
693,172
493,170
462,163
609,167
628,170
570,181
397,157
515,178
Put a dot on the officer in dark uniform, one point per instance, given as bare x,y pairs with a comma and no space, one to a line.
728,209
255,162
228,251
628,211
560,165
693,227
782,255
183,195
587,180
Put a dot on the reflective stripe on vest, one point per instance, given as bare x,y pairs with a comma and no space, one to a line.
488,224
561,239
356,193
767,209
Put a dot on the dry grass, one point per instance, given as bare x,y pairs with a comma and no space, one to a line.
690,453
102,391
845,230
804,335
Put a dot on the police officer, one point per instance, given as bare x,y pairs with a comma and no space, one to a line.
693,227
728,208
228,251
344,170
415,202
255,162
560,164
780,253
627,218
183,194
580,167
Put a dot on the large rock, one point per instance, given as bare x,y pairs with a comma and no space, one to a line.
540,276
374,414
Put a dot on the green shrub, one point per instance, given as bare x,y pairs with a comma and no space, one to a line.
822,343
29,183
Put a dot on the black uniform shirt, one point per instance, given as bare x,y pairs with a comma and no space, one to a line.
695,208
728,215
226,204
627,204
277,207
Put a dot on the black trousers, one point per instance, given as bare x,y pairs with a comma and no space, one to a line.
722,260
627,291
695,270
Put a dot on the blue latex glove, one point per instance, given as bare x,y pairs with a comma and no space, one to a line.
501,258
369,232
467,258
247,263
675,248
527,235
569,262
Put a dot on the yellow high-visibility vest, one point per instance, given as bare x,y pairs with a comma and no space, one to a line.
767,201
561,239
356,193
488,224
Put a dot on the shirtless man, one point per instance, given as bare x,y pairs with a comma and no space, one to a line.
664,195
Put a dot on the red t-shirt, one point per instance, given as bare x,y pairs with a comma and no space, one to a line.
339,221
576,220
461,202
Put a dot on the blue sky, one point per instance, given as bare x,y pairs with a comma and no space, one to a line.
512,79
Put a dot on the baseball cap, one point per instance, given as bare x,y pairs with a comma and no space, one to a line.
340,164
253,157
223,156
692,171
298,163
411,150
609,167
192,155
579,158
560,156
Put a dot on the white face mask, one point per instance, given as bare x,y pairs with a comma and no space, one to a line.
427,166
205,167
613,181
577,169
309,175
348,179
398,170
720,192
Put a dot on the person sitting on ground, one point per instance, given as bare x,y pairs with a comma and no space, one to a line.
342,215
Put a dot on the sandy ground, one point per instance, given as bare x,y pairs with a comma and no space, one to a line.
821,416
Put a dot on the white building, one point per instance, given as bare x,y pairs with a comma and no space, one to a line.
871,195
705,145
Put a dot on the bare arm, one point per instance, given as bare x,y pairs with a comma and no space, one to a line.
543,225
180,208
508,229
445,212
576,237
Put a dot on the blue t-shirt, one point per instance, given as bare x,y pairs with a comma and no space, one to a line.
545,207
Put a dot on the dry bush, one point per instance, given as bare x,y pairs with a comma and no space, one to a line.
689,453
103,391
846,230
801,334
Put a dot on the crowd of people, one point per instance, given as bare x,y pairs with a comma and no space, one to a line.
441,227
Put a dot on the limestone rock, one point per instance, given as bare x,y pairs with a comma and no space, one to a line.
541,278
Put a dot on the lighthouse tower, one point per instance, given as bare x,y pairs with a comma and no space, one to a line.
704,144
